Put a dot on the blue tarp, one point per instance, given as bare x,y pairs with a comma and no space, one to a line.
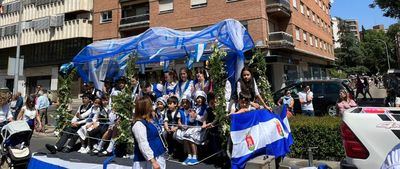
161,44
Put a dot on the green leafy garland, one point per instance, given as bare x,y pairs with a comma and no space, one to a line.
218,76
123,105
63,115
260,64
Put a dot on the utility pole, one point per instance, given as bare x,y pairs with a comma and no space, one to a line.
18,53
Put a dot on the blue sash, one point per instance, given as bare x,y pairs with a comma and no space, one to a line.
184,89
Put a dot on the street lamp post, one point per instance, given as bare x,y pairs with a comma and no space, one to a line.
387,53
18,53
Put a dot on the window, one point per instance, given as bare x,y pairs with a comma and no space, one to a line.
311,40
318,20
297,34
323,8
308,12
316,42
313,17
302,8
166,6
319,3
324,45
106,16
305,36
198,3
332,88
295,3
320,44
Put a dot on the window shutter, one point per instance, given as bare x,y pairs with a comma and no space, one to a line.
42,24
166,5
198,2
56,21
1,32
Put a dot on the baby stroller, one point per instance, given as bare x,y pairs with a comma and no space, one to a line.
14,148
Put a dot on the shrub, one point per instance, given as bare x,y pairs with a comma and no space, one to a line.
321,132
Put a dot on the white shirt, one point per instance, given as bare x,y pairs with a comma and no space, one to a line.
84,116
303,96
181,91
29,114
140,133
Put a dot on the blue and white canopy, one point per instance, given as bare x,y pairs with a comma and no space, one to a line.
161,44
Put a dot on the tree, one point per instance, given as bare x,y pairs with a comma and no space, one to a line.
391,8
375,51
349,54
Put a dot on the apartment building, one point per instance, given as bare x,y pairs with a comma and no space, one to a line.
296,34
353,27
52,33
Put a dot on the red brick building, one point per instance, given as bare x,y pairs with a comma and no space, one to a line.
296,34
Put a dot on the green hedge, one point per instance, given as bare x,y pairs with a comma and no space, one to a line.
321,132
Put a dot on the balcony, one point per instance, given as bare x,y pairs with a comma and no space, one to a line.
278,8
137,21
278,40
78,28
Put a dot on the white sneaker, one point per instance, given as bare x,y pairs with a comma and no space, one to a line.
81,149
86,150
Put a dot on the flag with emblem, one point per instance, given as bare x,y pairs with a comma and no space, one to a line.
259,132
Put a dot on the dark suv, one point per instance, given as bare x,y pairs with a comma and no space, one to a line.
326,94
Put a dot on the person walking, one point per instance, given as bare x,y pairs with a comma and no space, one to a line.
359,87
149,148
42,104
366,88
306,97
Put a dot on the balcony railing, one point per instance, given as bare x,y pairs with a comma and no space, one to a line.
137,20
279,8
280,40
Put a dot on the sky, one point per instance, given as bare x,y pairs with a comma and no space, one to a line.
359,9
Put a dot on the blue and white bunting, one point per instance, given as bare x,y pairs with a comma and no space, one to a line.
199,50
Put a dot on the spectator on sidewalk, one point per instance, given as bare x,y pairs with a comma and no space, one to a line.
5,113
19,104
288,100
344,102
29,114
70,132
306,97
13,104
42,103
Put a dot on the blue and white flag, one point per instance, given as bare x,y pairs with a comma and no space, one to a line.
259,132
199,50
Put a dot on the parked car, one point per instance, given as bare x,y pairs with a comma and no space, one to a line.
369,137
326,94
